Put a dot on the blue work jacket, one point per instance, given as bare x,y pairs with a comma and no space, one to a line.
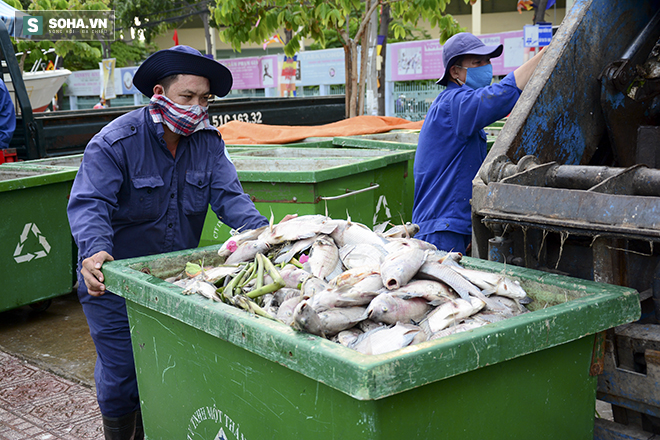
450,150
7,117
132,198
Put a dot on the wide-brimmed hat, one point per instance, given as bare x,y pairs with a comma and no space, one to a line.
181,60
465,44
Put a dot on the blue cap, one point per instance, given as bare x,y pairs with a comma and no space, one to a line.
465,44
182,60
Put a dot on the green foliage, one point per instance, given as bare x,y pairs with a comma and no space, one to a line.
323,21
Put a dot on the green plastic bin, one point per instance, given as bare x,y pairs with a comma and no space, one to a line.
368,184
207,370
38,258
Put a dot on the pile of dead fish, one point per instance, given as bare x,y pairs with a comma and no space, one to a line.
371,290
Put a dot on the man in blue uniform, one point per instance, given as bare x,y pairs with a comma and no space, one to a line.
7,117
452,142
143,188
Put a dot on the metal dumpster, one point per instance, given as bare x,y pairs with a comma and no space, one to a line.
208,370
37,261
368,185
572,186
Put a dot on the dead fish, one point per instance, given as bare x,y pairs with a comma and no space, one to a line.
285,293
290,251
312,285
369,324
397,244
298,228
434,292
293,276
459,328
490,282
392,309
386,339
341,297
324,258
434,270
229,246
203,288
361,254
335,320
347,337
353,276
306,319
407,230
215,274
285,311
352,233
247,251
451,312
398,268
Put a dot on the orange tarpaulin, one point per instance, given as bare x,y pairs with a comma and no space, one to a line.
236,132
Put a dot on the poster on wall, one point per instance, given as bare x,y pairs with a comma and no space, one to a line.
417,60
322,67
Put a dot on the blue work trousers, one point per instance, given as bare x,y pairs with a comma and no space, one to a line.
114,373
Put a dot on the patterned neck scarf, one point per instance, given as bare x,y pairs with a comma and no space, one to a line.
181,119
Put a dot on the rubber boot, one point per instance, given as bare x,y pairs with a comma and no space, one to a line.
128,427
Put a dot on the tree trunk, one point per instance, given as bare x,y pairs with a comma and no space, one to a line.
539,15
353,79
384,27
372,76
364,56
348,59
207,33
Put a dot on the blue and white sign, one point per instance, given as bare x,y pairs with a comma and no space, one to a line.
538,35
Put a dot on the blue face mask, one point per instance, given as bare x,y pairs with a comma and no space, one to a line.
478,77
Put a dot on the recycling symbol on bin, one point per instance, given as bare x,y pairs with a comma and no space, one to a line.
18,253
221,435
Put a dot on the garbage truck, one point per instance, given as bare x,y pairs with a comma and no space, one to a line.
572,186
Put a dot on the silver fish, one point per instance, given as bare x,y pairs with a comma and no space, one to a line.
491,282
288,252
353,276
407,230
369,324
392,309
347,337
203,288
433,270
397,244
355,233
312,285
335,320
459,328
324,257
239,238
285,311
293,276
361,254
340,297
247,251
217,273
434,292
386,339
451,312
307,320
398,268
298,228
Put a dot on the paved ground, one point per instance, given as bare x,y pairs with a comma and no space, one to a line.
47,374
36,404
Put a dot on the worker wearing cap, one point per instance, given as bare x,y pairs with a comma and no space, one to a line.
452,142
143,188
